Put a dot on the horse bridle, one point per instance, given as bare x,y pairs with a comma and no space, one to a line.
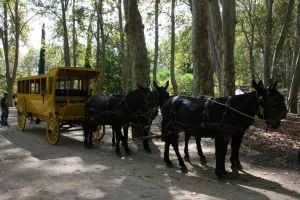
262,110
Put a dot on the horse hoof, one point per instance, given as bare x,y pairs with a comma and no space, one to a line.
169,165
221,175
128,152
118,152
187,158
203,161
234,173
184,170
237,167
148,150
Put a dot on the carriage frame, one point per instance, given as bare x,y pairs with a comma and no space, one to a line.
58,98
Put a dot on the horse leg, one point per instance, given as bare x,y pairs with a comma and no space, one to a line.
145,141
221,144
180,160
86,135
166,154
125,139
113,139
235,151
199,149
90,136
118,138
186,147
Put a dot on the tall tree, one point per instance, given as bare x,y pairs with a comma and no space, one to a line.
74,38
103,44
215,28
127,62
64,8
88,50
136,39
295,85
125,71
42,52
172,67
268,42
281,40
15,20
156,40
248,17
228,40
203,76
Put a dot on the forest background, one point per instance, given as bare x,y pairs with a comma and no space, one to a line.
204,47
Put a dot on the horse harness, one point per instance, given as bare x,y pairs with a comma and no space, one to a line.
207,122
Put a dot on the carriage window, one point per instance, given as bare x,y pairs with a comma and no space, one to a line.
50,83
32,87
77,84
43,85
37,86
27,89
19,86
92,86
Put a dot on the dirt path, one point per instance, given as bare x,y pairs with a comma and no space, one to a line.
30,168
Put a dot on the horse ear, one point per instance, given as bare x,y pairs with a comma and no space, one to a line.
270,83
273,86
258,87
254,84
155,85
261,85
167,85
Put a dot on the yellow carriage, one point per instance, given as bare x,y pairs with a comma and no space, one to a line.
57,98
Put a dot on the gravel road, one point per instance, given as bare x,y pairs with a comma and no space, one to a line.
30,168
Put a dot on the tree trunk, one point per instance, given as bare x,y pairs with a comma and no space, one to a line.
42,52
74,35
215,25
103,50
88,50
288,66
156,41
228,40
98,47
297,39
4,33
280,43
125,68
249,8
202,75
268,42
65,33
10,76
136,40
172,67
295,84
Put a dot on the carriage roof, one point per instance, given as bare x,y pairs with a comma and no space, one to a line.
67,71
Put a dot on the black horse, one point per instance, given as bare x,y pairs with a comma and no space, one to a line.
221,118
138,106
163,95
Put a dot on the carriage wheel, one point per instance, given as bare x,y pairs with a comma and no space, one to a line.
52,131
99,133
21,114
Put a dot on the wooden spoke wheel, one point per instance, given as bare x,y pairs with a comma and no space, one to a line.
99,133
52,131
21,114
